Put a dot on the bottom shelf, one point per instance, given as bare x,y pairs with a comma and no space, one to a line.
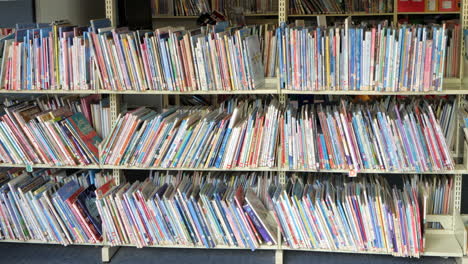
442,245
437,245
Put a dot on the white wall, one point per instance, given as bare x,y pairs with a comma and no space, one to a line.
78,12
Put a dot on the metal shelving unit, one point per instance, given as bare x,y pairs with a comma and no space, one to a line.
447,242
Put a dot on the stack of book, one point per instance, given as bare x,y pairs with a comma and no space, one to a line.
48,132
49,206
386,135
95,109
447,111
376,58
238,134
416,6
247,6
68,57
175,59
381,135
247,210
452,64
48,57
268,46
306,7
189,209
180,7
357,214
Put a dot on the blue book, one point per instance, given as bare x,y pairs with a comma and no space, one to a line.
100,23
86,201
219,192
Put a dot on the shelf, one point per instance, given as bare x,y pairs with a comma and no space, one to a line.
342,15
459,169
430,13
261,15
449,88
270,87
2,91
47,166
174,17
263,247
438,245
192,17
47,243
186,169
442,245
147,92
452,86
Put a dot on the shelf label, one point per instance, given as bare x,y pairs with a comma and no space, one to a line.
352,173
29,168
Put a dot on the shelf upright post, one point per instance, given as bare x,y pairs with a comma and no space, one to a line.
282,17
114,99
464,25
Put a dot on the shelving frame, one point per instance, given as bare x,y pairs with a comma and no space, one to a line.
451,241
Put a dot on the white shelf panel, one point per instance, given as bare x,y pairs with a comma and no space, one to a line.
442,245
449,89
437,245
47,166
257,91
47,243
341,15
48,91
187,169
459,169
202,247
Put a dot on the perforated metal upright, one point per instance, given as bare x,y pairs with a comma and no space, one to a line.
114,100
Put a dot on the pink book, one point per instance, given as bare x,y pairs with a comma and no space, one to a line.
427,66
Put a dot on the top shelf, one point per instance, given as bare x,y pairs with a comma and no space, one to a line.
362,14
191,17
450,87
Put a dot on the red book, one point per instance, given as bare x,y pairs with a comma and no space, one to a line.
411,5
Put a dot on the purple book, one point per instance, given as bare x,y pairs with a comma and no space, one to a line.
263,217
257,224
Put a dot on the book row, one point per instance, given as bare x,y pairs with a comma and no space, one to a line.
248,210
362,57
217,57
198,7
305,7
245,210
76,58
53,131
360,214
386,135
429,6
50,206
382,135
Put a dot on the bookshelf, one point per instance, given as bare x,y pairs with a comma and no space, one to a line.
447,242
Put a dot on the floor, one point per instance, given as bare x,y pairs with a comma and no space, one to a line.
42,254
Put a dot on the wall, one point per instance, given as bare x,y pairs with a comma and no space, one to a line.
16,11
78,12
